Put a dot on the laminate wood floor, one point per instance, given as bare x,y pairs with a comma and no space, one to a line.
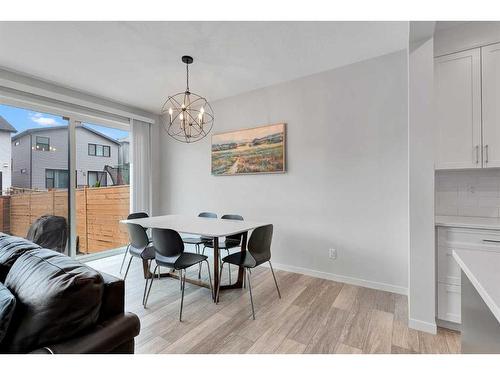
313,316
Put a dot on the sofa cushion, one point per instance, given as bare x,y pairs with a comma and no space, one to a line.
7,305
57,297
11,248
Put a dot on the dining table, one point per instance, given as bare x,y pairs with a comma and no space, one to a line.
205,227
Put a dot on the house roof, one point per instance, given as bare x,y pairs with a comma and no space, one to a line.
5,126
38,130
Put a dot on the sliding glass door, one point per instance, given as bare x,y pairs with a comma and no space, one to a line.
35,177
102,196
71,174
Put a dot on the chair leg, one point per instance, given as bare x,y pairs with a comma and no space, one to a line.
210,279
199,266
182,293
229,268
146,283
151,284
251,297
124,257
218,286
275,281
128,267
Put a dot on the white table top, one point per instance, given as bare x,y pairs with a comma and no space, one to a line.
197,225
483,270
468,222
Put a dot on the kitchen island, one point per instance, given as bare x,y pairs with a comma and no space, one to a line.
480,279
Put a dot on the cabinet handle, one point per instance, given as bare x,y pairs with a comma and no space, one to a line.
477,154
486,153
492,241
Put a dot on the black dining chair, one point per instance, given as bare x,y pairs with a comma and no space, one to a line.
169,252
199,240
139,247
229,242
134,215
259,252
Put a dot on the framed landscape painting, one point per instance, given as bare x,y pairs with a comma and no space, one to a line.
247,151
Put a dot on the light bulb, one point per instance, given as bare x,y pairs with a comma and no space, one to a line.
170,111
181,117
202,110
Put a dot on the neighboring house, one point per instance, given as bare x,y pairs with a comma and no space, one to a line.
123,151
40,157
5,156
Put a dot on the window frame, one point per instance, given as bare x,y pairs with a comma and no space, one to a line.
37,143
97,178
102,153
54,178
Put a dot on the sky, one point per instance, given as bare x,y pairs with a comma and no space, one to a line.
23,119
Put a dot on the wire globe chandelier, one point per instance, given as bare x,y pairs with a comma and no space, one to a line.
186,116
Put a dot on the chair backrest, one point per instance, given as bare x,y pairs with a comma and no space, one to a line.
259,244
208,214
138,236
233,237
167,242
137,215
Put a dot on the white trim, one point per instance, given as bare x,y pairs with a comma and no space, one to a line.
72,124
420,325
343,279
37,103
38,87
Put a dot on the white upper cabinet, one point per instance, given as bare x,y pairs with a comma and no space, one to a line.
491,105
458,110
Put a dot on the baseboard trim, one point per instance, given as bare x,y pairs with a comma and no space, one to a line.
420,325
343,279
449,325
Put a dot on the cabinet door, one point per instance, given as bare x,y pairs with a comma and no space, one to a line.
491,105
457,79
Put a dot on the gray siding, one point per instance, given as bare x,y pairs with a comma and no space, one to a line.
85,163
57,158
21,160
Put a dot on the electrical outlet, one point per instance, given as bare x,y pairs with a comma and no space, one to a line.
332,253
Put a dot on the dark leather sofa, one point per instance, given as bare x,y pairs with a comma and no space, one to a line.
61,305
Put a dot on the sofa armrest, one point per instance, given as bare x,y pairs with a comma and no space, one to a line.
103,338
113,298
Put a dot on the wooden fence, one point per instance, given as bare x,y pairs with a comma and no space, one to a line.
98,211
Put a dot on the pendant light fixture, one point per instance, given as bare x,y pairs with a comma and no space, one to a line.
186,116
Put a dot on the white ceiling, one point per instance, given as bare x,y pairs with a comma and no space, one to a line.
443,25
138,63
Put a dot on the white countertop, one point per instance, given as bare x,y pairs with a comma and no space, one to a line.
468,222
483,270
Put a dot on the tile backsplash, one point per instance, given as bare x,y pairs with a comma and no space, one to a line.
468,193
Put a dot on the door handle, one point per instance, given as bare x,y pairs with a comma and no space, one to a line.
477,154
486,157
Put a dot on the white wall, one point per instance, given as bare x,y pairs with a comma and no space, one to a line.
346,185
421,178
5,159
466,36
